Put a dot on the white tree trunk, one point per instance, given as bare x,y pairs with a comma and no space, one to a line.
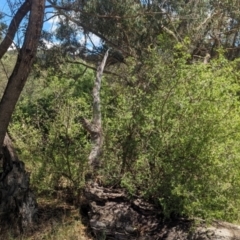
95,126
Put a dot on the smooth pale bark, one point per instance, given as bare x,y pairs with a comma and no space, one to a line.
95,126
23,66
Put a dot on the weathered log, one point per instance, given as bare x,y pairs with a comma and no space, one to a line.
18,205
112,215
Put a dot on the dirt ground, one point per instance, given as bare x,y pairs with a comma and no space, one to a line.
57,220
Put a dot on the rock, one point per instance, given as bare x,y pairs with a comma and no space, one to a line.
218,231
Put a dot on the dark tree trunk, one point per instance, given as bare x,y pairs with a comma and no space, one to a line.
23,65
17,202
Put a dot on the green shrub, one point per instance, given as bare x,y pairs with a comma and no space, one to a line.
175,138
47,131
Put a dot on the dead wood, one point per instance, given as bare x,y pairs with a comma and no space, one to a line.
95,126
112,215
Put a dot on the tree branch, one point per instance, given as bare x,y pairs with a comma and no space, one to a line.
93,68
170,32
87,28
13,27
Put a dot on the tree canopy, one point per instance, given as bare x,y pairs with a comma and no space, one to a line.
131,26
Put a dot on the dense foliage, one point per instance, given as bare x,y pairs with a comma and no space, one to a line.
175,139
171,133
132,25
47,131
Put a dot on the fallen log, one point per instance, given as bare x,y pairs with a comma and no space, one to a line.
112,215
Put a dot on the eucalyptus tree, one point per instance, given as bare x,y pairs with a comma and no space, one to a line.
16,196
133,25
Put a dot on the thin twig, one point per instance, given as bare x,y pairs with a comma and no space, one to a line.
94,68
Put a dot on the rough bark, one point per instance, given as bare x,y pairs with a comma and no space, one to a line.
95,126
112,215
17,202
23,65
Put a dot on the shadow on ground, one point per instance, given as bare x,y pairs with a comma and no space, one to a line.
55,220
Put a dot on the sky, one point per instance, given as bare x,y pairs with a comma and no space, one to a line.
49,25
4,8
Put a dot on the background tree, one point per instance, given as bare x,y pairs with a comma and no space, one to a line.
130,26
3,27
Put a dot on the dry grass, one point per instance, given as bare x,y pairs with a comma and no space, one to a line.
56,221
